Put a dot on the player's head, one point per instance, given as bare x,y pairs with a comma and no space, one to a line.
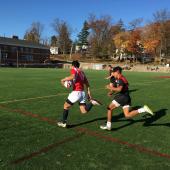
75,64
116,71
109,66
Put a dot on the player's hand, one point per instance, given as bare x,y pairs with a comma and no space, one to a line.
109,93
107,87
62,81
89,97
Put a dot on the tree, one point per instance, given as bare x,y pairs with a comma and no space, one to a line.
63,33
53,41
34,32
162,17
151,38
101,42
83,36
120,39
135,23
133,44
150,46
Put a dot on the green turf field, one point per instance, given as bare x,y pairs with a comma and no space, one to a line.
31,100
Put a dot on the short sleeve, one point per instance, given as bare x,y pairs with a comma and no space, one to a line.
120,83
73,71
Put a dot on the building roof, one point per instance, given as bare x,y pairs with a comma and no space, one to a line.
21,43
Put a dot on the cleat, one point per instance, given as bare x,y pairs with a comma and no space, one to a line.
61,124
105,127
148,110
95,102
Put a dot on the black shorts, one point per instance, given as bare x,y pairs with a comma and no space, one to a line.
123,99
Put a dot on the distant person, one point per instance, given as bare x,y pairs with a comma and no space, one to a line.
110,71
112,79
121,98
78,94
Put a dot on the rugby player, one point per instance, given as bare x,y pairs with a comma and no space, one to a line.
121,98
78,94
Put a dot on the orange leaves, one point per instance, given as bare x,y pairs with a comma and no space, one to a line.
151,45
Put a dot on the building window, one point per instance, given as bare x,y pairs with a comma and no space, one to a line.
14,49
21,49
4,55
27,58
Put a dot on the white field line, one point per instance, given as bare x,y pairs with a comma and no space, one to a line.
149,82
32,98
60,94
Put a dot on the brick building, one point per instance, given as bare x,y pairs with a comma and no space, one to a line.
15,51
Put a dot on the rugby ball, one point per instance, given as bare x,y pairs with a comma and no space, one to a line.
67,84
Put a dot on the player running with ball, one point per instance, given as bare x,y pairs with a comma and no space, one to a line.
79,80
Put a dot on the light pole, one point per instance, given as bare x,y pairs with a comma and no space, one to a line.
17,58
71,50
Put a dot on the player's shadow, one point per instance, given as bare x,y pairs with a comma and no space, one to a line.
87,122
158,115
133,90
115,117
147,119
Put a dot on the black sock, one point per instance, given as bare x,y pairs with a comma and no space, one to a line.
65,115
89,106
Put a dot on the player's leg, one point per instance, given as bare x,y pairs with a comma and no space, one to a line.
72,98
67,106
125,101
86,107
110,108
129,114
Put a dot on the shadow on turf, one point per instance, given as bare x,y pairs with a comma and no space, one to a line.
160,113
147,119
133,90
115,117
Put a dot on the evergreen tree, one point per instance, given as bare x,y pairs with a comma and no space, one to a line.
83,36
120,25
53,41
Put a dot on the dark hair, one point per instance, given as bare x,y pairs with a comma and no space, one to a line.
109,66
115,69
75,63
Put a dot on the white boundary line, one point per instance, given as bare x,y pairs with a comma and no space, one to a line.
42,97
32,98
148,82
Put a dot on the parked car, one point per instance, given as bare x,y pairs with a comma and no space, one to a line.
145,59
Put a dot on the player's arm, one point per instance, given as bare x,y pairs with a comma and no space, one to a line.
115,89
108,77
118,88
87,85
69,78
110,91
